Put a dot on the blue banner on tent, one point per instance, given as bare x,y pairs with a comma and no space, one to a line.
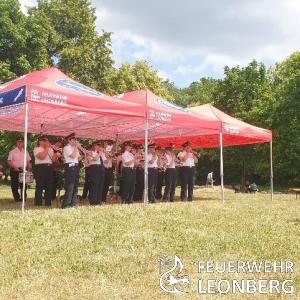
13,97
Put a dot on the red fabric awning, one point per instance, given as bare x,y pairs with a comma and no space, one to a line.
59,105
200,125
235,132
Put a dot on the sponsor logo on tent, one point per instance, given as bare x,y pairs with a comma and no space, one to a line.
168,104
35,95
11,110
52,98
78,87
231,129
12,97
120,96
5,85
160,116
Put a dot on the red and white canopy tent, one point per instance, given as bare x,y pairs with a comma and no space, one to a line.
234,132
230,131
50,102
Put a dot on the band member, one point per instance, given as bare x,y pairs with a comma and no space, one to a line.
108,165
171,176
188,159
43,171
58,162
139,183
161,173
128,174
96,172
87,180
153,161
72,157
118,173
16,162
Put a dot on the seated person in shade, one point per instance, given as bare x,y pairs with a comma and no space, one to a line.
251,188
209,179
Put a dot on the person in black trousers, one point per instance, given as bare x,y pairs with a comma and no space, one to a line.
43,171
160,174
96,173
87,180
152,172
58,163
108,168
139,183
188,158
72,157
128,174
171,176
16,162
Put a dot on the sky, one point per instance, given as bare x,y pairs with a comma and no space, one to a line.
191,39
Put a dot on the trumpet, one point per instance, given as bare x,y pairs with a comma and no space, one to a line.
195,153
56,148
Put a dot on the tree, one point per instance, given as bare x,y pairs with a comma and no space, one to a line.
73,44
17,54
286,120
137,76
247,94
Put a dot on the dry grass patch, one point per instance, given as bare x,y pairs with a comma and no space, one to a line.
111,252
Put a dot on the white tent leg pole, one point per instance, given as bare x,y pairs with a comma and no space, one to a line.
271,163
146,165
221,168
25,159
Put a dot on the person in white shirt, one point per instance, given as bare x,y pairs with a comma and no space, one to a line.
160,173
188,159
171,176
87,180
96,172
128,174
72,157
16,162
153,161
43,171
139,182
57,174
108,168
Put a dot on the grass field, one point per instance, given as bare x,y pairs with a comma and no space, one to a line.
112,251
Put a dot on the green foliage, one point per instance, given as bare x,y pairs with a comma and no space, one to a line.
54,33
197,93
73,44
286,120
137,76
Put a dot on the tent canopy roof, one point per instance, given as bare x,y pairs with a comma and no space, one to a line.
58,105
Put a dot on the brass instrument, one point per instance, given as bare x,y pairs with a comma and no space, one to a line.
195,153
84,151
56,148
116,146
174,158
